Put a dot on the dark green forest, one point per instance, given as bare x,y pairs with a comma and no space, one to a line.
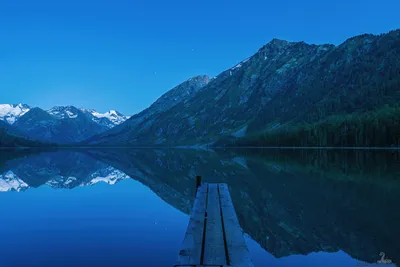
8,140
377,128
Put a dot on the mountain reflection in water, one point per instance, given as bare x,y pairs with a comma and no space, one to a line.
297,207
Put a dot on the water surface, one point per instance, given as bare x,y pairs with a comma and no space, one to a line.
120,207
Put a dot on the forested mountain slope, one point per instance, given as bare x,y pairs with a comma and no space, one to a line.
288,93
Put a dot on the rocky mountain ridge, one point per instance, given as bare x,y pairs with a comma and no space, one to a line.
61,124
284,86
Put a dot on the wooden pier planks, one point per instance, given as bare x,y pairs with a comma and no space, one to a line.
192,245
238,253
214,237
214,245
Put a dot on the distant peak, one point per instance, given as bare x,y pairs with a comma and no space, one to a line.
36,110
277,41
12,112
279,45
62,112
204,78
59,108
113,116
20,105
114,113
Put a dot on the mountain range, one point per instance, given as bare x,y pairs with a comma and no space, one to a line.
286,94
61,124
55,170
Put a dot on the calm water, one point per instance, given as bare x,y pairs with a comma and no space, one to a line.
130,207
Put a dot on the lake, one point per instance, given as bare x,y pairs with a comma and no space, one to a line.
130,207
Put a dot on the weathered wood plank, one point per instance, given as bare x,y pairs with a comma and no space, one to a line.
238,253
224,244
190,253
214,246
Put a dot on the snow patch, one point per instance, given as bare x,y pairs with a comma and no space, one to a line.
10,182
111,115
240,64
11,113
70,180
237,66
71,115
112,178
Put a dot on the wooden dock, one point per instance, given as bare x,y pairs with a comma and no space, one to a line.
213,237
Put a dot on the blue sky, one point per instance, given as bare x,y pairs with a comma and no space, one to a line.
125,54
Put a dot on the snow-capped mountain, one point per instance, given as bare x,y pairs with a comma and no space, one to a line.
9,181
107,175
64,112
11,113
108,119
60,124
